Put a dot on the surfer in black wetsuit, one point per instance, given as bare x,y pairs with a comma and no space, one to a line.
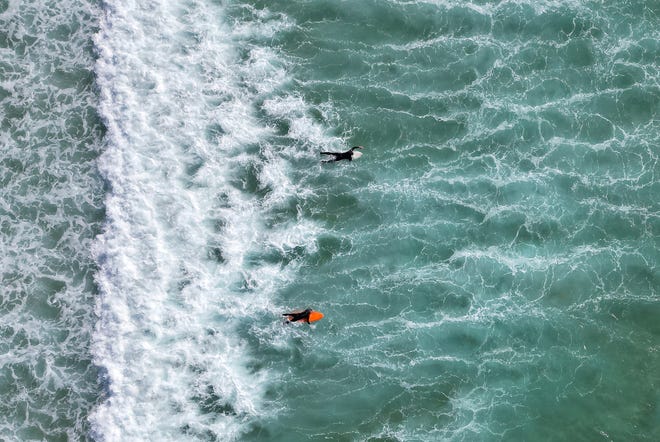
338,156
307,316
298,316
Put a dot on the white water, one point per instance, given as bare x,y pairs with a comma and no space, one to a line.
178,92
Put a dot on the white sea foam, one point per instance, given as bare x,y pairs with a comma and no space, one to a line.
178,101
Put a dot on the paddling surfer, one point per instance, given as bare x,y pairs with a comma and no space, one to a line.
348,155
307,315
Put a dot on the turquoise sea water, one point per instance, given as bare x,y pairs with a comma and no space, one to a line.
488,270
51,208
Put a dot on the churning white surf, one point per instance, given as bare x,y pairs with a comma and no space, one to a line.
177,97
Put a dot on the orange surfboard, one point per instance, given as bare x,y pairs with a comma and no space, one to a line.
315,316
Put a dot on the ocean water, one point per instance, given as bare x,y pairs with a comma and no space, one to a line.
488,269
51,209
